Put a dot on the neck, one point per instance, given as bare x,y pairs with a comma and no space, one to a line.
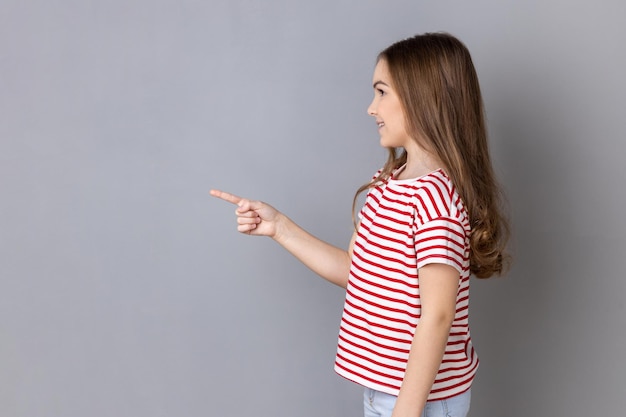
419,163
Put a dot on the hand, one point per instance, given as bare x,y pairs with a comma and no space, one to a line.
253,217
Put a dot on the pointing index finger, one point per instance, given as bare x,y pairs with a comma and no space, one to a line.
231,198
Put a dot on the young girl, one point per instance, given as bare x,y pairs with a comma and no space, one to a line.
431,218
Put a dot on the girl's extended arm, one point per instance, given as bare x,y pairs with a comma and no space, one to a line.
260,219
439,284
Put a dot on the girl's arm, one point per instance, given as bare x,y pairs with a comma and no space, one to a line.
260,219
439,284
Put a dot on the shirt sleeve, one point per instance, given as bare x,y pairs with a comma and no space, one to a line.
362,210
442,240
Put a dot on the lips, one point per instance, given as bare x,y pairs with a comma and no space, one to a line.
380,123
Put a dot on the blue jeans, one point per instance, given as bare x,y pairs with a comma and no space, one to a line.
379,404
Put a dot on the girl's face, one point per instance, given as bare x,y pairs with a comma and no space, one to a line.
387,110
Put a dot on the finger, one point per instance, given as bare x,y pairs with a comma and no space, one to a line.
248,220
249,213
244,206
231,198
246,228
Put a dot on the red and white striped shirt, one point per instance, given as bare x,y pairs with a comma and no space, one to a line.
404,225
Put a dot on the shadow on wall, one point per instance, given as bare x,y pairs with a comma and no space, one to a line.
522,323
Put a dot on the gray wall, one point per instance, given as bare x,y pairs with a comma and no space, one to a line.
124,288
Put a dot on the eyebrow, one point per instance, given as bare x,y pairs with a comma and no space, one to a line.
380,82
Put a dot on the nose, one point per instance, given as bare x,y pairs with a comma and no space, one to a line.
371,109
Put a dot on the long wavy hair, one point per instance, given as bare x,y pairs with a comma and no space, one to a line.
435,79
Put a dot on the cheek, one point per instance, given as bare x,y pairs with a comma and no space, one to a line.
400,119
399,122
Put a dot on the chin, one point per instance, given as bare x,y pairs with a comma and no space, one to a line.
384,142
388,144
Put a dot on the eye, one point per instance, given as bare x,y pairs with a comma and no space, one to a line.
380,92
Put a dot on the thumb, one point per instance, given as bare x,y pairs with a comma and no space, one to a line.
249,205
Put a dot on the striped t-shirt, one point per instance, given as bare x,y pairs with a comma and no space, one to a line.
404,225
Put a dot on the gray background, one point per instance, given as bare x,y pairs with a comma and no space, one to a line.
125,289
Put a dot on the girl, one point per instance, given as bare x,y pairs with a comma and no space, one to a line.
431,218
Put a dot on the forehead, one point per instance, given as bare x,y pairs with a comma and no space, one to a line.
381,72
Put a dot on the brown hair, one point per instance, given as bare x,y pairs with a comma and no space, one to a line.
436,82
